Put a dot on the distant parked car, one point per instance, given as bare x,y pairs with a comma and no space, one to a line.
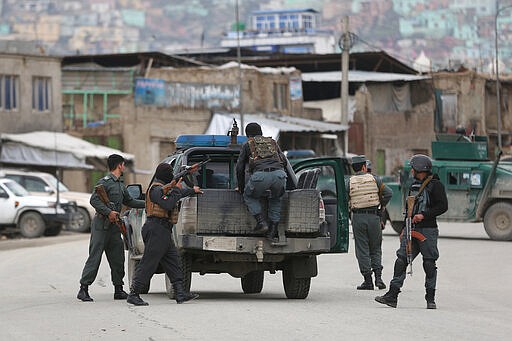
33,216
40,183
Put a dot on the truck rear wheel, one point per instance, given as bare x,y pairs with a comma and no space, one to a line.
295,288
186,268
252,283
31,225
498,221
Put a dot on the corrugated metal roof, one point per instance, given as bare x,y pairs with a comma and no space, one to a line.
360,76
272,124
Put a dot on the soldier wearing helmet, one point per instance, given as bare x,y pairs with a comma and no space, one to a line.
367,195
430,202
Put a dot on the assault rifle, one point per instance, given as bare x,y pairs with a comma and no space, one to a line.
102,194
408,232
186,171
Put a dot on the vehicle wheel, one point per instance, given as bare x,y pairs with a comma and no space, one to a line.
81,221
31,225
397,226
498,221
186,267
132,265
252,283
53,231
295,288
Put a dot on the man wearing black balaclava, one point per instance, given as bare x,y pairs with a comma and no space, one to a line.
266,168
159,247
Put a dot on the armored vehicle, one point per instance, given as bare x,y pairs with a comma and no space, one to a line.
214,232
477,189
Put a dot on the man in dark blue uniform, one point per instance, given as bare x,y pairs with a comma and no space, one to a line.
159,247
105,234
266,168
430,202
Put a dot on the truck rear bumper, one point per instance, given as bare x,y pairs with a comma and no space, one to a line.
255,245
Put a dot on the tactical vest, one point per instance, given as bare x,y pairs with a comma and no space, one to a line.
262,148
363,191
155,210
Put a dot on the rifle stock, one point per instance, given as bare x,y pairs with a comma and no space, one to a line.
102,194
408,232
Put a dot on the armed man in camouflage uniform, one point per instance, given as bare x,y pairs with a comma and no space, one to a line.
266,168
105,234
367,193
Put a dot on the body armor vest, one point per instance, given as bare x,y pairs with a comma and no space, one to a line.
155,210
363,191
262,148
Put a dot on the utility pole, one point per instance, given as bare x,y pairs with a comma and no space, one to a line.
240,80
344,81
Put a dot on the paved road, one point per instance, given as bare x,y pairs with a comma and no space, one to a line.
40,281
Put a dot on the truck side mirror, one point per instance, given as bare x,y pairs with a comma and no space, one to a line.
48,190
135,191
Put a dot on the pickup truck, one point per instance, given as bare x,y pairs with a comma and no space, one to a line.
32,216
214,233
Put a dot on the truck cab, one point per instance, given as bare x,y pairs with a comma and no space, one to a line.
214,233
477,189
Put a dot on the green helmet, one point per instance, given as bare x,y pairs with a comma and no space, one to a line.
421,163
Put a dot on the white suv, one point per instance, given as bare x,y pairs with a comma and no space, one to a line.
40,183
33,216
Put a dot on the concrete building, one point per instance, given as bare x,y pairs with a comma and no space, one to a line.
144,105
30,93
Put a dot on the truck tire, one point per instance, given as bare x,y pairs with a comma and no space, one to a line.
498,221
397,226
132,265
82,221
186,268
252,283
53,231
31,225
295,288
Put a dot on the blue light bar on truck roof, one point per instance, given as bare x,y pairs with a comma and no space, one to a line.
187,141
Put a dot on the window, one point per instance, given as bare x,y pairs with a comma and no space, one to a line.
41,93
458,178
9,90
280,96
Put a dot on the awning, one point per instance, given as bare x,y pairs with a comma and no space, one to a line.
52,149
360,76
272,124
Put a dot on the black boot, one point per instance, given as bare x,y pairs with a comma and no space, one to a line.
367,284
273,232
378,279
390,298
83,294
430,298
180,295
261,224
134,298
119,293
